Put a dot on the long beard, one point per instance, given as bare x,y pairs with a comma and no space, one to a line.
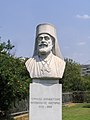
45,49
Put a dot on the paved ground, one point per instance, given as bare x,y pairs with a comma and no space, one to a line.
21,117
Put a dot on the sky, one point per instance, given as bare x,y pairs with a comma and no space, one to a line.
19,18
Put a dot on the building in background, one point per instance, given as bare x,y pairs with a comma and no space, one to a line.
85,70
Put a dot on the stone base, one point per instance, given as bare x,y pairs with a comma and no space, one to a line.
45,101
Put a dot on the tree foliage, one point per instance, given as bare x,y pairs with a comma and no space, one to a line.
14,78
72,77
86,82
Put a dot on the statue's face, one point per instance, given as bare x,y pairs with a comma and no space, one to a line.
45,43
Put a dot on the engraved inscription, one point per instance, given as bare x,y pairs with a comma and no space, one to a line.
45,102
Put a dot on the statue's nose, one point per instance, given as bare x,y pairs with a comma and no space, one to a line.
43,40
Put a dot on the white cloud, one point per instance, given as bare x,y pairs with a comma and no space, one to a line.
81,43
85,16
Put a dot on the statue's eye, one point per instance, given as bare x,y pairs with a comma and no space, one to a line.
39,38
46,38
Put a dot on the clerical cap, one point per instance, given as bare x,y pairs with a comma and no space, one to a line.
51,30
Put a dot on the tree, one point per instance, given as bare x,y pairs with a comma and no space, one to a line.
86,82
14,78
72,77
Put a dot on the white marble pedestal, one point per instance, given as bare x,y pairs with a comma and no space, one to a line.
45,100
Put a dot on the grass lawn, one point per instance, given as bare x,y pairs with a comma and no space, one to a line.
76,111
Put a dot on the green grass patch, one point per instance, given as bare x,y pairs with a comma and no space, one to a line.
76,112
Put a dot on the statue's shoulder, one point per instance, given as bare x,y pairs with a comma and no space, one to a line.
59,60
30,63
31,60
